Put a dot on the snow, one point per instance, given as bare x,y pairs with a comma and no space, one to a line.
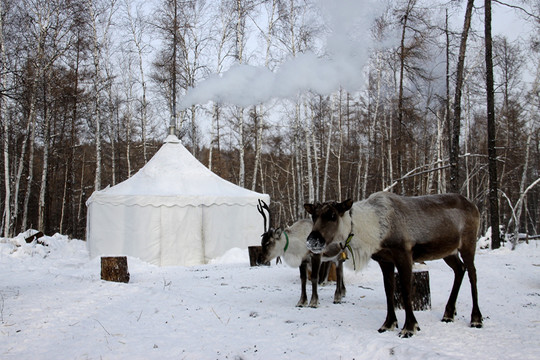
53,305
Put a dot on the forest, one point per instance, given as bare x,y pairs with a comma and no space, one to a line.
304,100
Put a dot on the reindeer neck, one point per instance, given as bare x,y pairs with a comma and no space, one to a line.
294,250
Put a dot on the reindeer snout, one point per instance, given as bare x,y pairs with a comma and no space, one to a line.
315,242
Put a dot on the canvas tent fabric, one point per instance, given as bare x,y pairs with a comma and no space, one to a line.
173,211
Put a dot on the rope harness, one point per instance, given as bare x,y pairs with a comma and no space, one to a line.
278,260
348,244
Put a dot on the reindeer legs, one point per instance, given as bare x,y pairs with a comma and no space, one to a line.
387,269
340,284
404,267
303,278
459,270
476,316
315,265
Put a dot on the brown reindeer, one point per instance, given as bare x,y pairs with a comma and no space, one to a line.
290,243
396,231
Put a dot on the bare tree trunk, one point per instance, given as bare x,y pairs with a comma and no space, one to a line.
456,123
327,157
340,148
298,156
309,159
5,137
522,194
96,114
214,134
258,144
30,177
372,126
317,188
492,151
241,147
46,142
137,30
64,201
241,13
81,187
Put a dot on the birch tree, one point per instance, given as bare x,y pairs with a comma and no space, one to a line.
137,30
492,150
223,49
101,16
6,219
456,117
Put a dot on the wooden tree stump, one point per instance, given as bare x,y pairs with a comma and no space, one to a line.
36,237
114,268
420,295
255,256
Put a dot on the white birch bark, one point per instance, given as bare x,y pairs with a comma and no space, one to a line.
46,143
327,157
240,28
97,83
6,231
340,147
260,117
136,28
307,131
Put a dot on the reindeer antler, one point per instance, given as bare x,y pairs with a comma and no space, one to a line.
261,207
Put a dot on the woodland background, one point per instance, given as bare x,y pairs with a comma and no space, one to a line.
90,88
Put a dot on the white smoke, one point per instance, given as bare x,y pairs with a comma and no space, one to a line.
347,51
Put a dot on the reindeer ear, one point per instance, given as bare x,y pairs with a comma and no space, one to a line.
278,232
344,206
310,208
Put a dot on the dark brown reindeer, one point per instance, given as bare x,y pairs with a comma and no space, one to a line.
396,231
290,244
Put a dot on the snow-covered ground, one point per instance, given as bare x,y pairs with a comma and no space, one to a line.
53,305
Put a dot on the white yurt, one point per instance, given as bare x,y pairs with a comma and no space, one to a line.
173,211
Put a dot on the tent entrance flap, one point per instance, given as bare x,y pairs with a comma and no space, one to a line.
181,235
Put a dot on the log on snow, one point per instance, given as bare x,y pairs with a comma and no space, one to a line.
114,268
420,294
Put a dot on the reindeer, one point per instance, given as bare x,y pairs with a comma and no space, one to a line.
396,231
290,243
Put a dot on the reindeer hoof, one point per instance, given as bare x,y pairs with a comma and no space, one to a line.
406,333
314,304
301,303
389,326
476,324
447,319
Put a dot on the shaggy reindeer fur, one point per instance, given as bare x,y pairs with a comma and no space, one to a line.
397,231
297,255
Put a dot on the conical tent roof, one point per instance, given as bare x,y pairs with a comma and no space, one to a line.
175,177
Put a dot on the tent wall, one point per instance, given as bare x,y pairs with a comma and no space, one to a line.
171,235
116,230
228,226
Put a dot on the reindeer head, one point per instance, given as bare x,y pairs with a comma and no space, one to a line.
268,243
269,237
331,224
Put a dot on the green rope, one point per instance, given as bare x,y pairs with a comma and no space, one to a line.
287,244
348,246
